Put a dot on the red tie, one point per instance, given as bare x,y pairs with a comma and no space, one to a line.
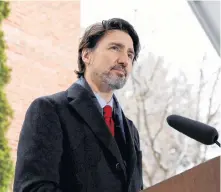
108,118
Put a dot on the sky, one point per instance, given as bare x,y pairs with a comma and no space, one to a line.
166,28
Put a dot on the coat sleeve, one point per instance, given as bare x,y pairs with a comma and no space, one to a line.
137,138
39,149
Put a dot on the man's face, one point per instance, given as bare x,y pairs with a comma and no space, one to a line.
110,63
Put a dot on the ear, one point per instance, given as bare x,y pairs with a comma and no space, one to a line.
86,55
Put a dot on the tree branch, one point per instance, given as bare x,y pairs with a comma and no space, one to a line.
156,154
210,115
134,82
147,174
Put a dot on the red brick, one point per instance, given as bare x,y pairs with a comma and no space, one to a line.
42,39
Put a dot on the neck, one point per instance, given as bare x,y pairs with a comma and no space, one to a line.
101,89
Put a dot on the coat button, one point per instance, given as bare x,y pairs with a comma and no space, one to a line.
118,167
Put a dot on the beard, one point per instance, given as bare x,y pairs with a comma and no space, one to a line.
114,81
110,80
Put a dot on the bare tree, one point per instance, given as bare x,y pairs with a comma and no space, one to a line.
153,97
211,115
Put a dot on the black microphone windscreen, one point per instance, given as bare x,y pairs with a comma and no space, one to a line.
194,129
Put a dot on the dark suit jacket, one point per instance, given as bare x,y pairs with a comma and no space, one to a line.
65,146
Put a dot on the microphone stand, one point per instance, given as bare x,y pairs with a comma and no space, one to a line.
217,142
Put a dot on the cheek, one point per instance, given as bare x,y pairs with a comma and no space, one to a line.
100,65
129,68
103,62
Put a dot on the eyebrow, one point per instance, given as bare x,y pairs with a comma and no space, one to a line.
121,45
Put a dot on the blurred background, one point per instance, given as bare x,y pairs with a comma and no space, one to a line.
178,72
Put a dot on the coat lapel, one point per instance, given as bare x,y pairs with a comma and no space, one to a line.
127,132
84,102
132,158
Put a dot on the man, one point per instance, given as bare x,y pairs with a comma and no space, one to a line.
79,140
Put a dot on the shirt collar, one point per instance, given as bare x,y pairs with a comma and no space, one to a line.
102,102
82,81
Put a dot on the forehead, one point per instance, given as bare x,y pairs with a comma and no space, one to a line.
117,36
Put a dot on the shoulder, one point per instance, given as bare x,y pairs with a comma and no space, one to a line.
48,102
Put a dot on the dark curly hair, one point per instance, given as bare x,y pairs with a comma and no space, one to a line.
96,31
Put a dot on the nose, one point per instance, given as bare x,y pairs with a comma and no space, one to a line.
123,59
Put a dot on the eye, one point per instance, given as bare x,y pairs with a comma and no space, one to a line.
115,48
131,56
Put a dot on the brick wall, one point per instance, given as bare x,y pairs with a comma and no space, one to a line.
42,39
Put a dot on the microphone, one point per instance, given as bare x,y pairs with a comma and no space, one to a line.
196,130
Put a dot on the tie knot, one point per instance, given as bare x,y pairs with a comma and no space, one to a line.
108,111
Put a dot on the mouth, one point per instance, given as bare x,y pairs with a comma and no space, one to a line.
120,71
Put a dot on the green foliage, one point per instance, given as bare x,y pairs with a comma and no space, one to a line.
6,113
